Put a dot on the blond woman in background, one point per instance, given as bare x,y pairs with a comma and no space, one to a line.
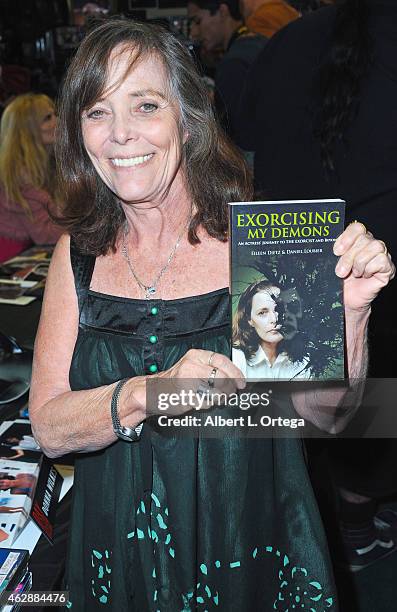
27,179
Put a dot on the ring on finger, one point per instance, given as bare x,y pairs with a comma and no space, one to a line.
211,378
211,358
201,390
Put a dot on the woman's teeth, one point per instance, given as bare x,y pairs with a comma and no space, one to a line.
131,161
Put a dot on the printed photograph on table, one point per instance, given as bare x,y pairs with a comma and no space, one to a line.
287,303
15,453
18,436
18,482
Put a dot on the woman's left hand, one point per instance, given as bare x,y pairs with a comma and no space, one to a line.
364,264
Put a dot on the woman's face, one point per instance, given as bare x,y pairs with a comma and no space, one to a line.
47,126
132,135
264,315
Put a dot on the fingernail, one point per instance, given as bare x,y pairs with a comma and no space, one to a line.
340,270
338,248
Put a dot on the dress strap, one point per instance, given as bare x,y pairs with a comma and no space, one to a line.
83,267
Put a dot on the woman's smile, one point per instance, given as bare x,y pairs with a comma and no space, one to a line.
128,162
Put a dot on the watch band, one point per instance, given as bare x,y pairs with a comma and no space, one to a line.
128,434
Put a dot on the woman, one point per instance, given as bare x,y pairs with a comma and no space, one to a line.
262,329
160,523
27,185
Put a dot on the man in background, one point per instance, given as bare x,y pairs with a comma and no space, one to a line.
218,24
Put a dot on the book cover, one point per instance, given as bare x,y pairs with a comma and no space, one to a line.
46,498
24,586
287,303
18,437
18,481
13,566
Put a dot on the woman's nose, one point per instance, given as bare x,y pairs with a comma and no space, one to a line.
123,129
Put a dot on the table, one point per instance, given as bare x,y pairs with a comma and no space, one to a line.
21,322
47,563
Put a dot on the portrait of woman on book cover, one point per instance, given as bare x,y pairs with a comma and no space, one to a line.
264,327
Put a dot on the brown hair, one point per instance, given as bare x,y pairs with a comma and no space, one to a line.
244,336
215,170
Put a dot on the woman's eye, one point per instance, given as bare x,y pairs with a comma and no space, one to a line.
95,114
148,107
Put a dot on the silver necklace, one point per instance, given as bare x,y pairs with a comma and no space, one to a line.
150,290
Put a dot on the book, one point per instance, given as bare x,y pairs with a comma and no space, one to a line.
21,460
24,586
287,302
13,567
46,498
18,480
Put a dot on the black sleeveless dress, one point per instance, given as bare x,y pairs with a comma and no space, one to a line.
182,524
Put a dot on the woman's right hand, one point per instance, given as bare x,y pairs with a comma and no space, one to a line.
188,380
196,373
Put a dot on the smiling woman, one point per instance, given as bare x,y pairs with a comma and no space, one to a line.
133,135
141,99
140,290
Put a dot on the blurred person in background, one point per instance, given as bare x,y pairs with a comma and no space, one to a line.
266,17
216,25
320,114
27,174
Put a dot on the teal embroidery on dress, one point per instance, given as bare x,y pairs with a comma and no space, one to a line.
156,500
147,516
144,518
160,521
100,582
297,590
202,595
